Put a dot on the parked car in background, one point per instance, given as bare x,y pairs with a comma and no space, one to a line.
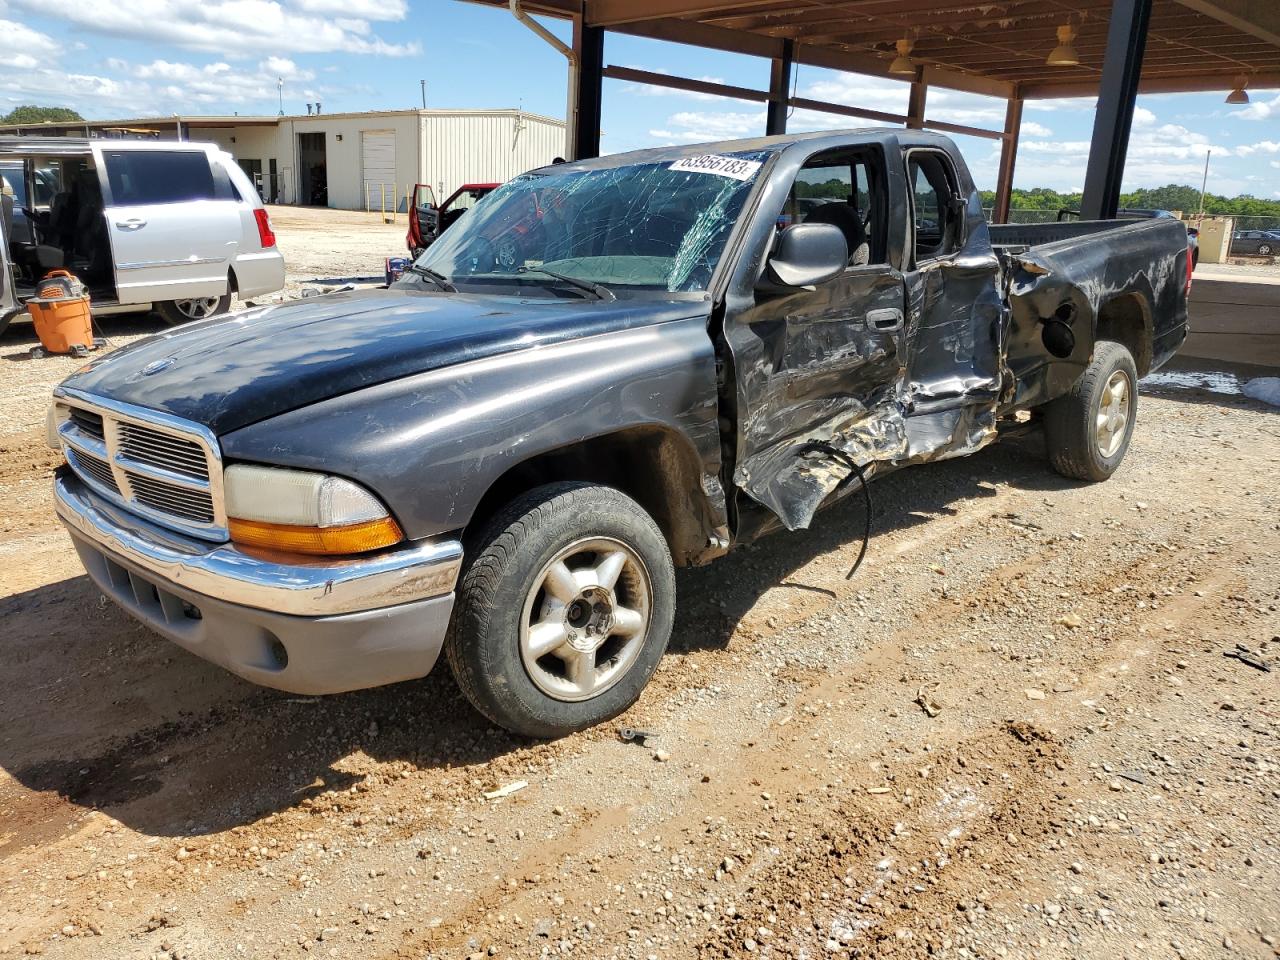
606,369
1260,243
174,226
427,220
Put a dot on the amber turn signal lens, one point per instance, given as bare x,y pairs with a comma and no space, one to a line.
350,538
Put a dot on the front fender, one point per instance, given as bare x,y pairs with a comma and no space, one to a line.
432,444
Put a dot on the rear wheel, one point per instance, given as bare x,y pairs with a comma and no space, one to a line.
564,610
1089,428
198,308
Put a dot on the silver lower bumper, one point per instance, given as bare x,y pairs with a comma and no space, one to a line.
294,585
308,628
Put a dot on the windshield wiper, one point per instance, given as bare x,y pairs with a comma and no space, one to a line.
439,279
599,291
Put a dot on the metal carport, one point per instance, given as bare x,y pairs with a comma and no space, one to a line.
993,47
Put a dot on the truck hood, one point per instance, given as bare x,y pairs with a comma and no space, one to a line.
230,372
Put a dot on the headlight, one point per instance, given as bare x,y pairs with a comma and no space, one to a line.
303,512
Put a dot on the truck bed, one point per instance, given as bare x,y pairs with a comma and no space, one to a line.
1017,237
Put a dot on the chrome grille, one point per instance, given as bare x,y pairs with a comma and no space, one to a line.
168,452
162,468
193,505
95,467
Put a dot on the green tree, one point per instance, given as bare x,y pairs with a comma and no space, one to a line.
30,113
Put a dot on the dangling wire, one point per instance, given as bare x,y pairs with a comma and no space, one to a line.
822,446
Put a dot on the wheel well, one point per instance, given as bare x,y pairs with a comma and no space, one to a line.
1125,320
233,285
654,466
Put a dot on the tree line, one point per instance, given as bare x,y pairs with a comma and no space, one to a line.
1170,197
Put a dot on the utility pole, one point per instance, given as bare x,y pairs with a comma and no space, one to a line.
424,93
1204,183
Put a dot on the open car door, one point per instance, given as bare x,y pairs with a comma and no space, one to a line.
424,218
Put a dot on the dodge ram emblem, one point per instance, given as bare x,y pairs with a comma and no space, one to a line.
155,366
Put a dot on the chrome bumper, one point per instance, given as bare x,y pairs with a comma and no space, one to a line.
319,588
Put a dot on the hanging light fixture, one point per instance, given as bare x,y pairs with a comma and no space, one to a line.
1239,95
902,64
1064,54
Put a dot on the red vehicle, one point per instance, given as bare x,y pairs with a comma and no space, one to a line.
427,220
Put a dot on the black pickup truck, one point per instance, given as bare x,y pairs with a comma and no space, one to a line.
604,370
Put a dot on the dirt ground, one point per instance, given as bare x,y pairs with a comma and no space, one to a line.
1014,733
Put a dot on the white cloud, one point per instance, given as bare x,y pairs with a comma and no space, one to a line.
1265,146
1032,129
1142,117
1260,107
231,28
24,48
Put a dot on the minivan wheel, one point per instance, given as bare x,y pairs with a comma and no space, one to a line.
564,610
1089,428
198,308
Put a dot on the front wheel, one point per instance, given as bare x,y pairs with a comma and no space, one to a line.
174,312
564,610
1265,249
1088,429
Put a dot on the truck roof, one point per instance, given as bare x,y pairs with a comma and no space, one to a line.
774,144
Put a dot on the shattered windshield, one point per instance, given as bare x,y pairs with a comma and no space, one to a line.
658,226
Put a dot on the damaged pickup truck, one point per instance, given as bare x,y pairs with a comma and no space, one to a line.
608,369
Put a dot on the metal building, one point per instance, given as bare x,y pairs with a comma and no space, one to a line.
354,160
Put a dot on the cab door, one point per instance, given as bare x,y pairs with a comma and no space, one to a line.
955,311
172,220
821,364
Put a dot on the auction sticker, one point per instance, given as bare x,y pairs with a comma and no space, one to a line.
721,166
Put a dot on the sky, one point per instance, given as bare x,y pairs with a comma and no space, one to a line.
112,59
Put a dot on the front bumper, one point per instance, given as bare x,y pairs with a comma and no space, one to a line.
309,627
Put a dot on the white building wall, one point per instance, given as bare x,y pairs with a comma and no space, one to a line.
485,147
443,148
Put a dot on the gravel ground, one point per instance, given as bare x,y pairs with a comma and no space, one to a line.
1013,733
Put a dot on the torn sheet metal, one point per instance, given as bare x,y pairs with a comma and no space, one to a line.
927,390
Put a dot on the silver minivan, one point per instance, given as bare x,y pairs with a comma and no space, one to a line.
172,226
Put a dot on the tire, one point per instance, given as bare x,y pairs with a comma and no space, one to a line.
1081,445
514,601
174,312
1264,249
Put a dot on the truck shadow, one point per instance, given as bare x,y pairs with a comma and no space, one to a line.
103,714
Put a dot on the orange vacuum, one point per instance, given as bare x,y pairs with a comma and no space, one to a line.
60,313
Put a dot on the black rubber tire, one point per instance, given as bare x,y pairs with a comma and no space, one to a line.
1264,249
502,562
168,311
1069,421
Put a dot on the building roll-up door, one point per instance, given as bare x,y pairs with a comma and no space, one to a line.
378,150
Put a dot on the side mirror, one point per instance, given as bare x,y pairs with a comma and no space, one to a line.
805,254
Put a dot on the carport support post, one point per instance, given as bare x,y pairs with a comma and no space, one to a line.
1008,157
588,44
780,90
916,101
1121,68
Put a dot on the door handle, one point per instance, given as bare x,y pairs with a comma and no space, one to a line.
132,224
886,319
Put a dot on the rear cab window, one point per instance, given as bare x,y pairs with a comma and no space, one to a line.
937,215
162,176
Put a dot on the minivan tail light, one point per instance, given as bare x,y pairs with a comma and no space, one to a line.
266,236
1190,269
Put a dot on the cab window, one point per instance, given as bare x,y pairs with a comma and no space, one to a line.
845,188
936,214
